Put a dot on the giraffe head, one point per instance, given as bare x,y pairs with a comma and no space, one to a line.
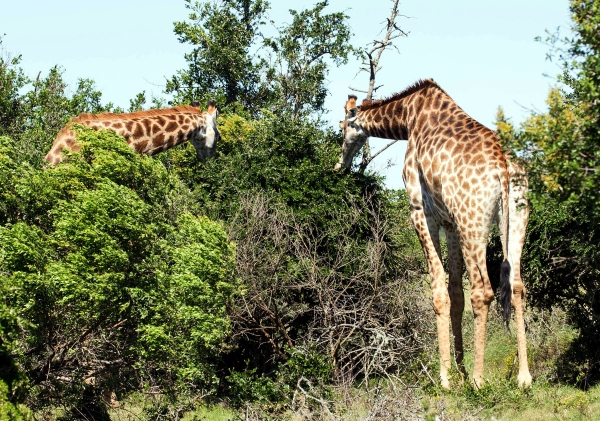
205,140
354,135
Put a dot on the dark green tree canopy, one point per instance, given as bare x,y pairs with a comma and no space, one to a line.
576,160
301,50
224,36
233,63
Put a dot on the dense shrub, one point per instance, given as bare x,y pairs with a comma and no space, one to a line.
112,282
329,261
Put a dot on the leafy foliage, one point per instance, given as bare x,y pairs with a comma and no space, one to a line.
33,111
117,284
330,263
580,166
299,71
230,65
221,66
12,80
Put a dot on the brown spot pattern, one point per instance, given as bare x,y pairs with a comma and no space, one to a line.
145,131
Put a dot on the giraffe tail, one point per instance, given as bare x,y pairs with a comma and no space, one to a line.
505,286
505,291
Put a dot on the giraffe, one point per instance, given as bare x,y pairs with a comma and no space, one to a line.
456,177
148,132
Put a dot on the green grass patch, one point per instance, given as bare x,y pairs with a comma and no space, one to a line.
505,401
548,338
211,413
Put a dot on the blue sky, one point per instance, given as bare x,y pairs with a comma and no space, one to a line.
481,52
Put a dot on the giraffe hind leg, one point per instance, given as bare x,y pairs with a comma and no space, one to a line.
481,297
456,292
518,218
515,292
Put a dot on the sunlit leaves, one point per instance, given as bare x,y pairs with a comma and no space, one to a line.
103,270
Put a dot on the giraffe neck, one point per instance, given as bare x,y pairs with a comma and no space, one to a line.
403,118
148,132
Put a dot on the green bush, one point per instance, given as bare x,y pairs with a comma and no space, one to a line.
112,281
329,261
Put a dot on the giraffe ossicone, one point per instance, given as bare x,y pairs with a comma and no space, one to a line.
458,178
148,132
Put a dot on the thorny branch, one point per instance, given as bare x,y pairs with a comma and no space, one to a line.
305,290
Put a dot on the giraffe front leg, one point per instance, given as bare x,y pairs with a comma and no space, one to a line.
480,312
428,232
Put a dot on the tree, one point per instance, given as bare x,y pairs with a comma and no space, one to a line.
32,111
230,64
12,80
221,66
299,68
575,162
116,283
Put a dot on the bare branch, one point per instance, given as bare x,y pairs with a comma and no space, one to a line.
371,158
392,31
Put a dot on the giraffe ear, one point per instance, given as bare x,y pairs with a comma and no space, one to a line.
212,110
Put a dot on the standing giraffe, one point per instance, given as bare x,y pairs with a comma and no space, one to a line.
148,132
458,178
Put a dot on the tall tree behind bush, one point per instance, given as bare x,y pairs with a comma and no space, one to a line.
233,64
221,65
300,53
32,111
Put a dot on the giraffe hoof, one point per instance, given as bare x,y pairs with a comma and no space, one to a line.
445,384
524,380
478,382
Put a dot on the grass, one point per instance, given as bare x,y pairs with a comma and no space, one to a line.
211,413
498,400
131,410
505,401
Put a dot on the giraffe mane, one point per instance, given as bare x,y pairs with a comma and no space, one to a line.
415,87
137,114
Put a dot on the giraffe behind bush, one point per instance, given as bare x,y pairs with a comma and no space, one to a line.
148,132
